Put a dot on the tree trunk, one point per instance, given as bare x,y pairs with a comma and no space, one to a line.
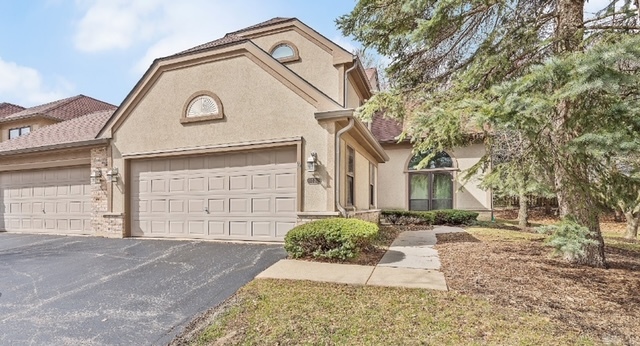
523,212
632,225
618,215
571,177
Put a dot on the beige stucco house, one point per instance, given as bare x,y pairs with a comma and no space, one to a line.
240,138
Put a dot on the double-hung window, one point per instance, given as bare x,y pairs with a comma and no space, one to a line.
351,167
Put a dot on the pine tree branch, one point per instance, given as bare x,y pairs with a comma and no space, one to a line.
612,27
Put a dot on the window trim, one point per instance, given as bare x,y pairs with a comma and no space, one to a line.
296,53
20,129
350,191
184,119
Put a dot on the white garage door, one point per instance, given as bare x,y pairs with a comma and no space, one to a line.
46,201
245,196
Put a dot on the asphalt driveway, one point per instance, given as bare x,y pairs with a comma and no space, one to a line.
83,291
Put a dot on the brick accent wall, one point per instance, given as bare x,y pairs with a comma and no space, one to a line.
103,222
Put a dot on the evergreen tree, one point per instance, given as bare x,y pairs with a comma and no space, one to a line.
535,67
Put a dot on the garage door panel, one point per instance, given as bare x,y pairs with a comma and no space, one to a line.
217,206
217,228
238,205
238,182
261,228
261,205
285,181
196,206
282,228
159,227
176,206
159,185
239,196
176,227
158,206
177,185
197,184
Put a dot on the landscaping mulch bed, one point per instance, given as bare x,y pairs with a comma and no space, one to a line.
517,271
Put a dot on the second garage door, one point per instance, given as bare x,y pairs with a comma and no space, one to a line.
244,196
56,200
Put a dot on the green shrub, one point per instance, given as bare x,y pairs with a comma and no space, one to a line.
335,238
569,239
433,217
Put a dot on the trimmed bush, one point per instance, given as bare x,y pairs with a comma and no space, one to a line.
334,238
433,217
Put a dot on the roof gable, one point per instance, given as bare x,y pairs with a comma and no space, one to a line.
211,54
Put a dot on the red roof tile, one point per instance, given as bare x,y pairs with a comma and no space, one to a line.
385,130
64,109
76,130
8,109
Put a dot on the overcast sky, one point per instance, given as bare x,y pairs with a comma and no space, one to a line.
51,49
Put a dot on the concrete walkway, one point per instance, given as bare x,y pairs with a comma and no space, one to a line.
411,261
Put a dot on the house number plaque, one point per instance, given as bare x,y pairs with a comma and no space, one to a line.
313,181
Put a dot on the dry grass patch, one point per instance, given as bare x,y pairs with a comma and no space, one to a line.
514,269
280,312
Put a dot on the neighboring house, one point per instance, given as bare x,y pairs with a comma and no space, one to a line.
239,138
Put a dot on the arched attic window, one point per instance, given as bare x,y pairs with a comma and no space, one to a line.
284,51
431,187
202,106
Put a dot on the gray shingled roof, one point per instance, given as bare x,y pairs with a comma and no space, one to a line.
272,21
232,37
227,39
64,109
77,130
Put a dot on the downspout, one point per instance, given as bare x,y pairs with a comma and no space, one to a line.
346,79
338,158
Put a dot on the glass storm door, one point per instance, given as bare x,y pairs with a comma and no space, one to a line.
441,191
419,191
430,191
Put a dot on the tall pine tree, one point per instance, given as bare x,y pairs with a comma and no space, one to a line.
479,62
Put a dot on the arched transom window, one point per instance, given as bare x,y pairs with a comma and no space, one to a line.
285,51
202,106
440,160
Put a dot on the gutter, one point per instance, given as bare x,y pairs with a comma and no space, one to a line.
337,159
56,146
346,114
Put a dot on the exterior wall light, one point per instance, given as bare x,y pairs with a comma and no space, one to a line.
112,175
95,176
312,162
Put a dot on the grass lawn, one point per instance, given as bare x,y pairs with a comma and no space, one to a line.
281,312
506,289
